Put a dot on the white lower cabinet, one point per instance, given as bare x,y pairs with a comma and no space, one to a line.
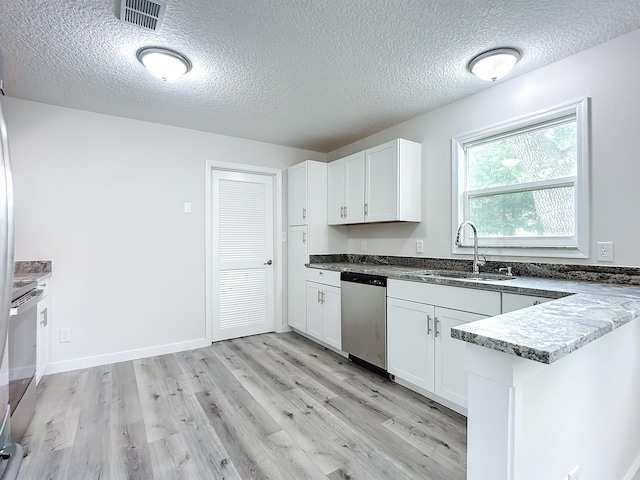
297,274
410,346
323,313
450,375
43,340
421,351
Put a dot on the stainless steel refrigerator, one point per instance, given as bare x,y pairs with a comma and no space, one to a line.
10,453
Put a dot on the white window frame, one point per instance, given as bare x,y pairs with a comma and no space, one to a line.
576,246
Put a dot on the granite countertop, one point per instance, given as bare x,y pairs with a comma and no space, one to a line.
580,313
36,270
34,277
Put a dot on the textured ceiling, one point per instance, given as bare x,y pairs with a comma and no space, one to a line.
315,74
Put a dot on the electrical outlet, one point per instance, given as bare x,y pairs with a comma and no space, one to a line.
419,246
605,251
65,335
364,245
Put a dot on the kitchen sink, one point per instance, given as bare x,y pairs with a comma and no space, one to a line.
465,275
472,276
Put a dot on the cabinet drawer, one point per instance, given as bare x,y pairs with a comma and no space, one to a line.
457,298
514,301
326,277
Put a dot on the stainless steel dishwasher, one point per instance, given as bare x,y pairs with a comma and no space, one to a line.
364,319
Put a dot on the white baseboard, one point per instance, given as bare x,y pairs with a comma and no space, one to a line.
634,471
109,358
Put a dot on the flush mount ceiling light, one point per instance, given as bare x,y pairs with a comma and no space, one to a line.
494,64
164,63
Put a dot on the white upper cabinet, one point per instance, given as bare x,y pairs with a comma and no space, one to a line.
381,184
297,193
346,190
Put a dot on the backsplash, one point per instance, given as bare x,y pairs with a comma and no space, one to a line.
560,271
28,267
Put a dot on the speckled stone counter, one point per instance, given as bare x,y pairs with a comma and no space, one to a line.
582,311
32,270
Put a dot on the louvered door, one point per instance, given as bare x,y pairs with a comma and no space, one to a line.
243,232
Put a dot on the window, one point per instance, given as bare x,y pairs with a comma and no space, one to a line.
524,184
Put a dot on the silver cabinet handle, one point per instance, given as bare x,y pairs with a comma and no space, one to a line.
437,331
304,237
319,296
428,324
45,317
14,453
322,297
304,213
268,262
345,211
366,209
341,212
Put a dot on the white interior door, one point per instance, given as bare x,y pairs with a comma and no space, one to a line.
243,296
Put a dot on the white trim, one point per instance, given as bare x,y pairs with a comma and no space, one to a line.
578,245
109,358
276,173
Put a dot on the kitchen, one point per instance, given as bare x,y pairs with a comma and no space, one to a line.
102,196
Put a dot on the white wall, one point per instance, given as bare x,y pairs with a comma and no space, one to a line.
609,74
102,197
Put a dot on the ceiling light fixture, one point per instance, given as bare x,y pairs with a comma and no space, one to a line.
494,64
164,63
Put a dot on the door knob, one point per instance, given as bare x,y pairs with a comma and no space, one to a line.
268,262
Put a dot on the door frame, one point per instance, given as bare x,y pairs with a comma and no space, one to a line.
276,174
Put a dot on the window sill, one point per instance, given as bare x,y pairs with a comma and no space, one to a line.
538,252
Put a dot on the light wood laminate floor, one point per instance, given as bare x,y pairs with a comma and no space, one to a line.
273,406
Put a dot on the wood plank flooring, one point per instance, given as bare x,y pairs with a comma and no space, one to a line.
274,406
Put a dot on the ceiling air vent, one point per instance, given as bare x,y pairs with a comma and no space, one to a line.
144,13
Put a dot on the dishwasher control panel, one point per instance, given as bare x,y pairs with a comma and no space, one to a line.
364,278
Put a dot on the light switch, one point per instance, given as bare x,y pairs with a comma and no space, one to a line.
419,246
187,207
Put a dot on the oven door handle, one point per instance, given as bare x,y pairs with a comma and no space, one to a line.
14,453
27,305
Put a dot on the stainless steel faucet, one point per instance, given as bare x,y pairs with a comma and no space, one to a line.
477,263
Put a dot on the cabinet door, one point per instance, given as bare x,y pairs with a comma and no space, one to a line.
42,339
314,310
331,316
381,188
296,278
354,187
297,194
513,301
335,193
450,375
410,349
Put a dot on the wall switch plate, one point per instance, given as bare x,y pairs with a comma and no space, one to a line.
419,246
187,207
605,251
65,335
364,245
